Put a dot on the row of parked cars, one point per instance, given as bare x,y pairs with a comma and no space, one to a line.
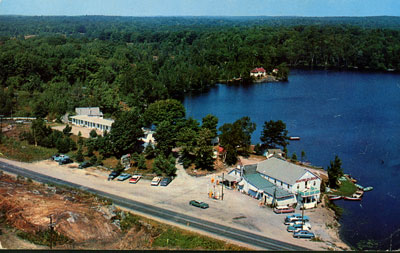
65,159
299,225
133,179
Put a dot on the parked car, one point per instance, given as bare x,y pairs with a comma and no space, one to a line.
155,181
135,179
58,157
304,234
85,164
296,217
113,175
123,176
65,160
298,227
285,209
291,223
165,181
198,204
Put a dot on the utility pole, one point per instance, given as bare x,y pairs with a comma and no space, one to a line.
1,122
302,214
51,226
222,187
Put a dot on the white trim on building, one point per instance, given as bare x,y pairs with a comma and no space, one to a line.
92,122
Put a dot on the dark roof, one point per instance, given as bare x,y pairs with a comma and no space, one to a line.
263,184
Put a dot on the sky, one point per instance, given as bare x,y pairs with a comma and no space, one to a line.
202,7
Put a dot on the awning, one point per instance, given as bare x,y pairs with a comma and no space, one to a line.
252,193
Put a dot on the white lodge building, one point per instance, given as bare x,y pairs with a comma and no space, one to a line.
91,117
287,177
296,179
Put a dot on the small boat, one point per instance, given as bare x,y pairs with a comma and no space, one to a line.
352,198
294,138
334,197
359,186
369,188
356,196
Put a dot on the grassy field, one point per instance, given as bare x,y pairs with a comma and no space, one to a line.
175,238
168,237
347,188
22,151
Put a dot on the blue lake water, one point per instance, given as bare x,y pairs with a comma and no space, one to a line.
354,115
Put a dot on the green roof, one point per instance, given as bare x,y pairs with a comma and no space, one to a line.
263,184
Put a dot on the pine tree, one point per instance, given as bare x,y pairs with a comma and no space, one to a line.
334,172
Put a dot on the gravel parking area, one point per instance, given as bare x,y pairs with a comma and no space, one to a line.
236,210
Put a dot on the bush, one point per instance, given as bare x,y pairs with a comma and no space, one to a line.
93,134
93,160
141,162
79,156
164,165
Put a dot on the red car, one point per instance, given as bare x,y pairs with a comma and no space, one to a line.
283,210
134,179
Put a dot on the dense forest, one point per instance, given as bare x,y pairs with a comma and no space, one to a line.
50,65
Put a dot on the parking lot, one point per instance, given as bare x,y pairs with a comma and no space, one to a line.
236,210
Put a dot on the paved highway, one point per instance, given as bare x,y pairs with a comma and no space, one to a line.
182,219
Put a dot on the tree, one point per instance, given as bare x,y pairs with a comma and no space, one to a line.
236,136
165,165
149,151
40,109
80,139
165,137
210,122
79,155
119,167
283,72
187,141
204,150
303,155
274,134
126,132
67,130
141,162
93,134
63,145
39,131
169,110
334,172
294,157
93,160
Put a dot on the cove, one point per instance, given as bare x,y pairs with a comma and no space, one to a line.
355,115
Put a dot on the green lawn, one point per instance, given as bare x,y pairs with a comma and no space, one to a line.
175,238
347,188
22,151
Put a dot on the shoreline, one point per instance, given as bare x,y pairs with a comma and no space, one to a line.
184,187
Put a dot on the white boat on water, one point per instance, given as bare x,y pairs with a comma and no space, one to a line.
369,188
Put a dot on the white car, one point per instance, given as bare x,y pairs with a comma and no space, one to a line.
155,181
